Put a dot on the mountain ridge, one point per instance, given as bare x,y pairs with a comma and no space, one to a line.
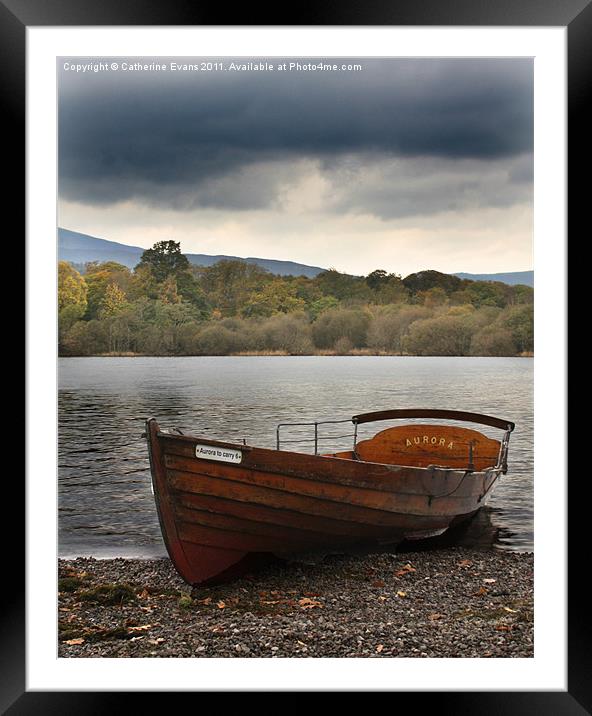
79,248
510,277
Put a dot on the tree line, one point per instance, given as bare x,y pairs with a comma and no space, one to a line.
167,306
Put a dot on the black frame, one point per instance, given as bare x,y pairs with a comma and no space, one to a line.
575,15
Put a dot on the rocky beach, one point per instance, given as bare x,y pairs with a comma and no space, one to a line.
452,602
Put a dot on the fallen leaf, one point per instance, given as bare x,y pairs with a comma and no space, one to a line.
74,642
503,627
379,648
480,592
512,611
301,643
143,627
307,603
156,641
273,601
489,581
378,583
402,594
136,638
207,600
382,598
465,563
407,569
221,604
435,616
311,594
144,594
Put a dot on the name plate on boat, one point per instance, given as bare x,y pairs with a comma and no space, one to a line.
212,452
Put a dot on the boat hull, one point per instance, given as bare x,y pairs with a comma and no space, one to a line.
219,518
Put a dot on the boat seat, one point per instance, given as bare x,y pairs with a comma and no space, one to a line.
423,445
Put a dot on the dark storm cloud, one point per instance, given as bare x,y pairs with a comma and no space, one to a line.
229,140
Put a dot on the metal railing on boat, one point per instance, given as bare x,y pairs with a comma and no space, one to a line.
316,437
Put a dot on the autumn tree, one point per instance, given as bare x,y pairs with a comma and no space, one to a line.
72,291
443,336
488,293
387,287
168,275
167,306
276,296
425,280
521,294
391,324
101,275
341,323
492,341
229,284
289,333
341,285
376,279
165,259
72,299
325,303
114,301
519,320
432,297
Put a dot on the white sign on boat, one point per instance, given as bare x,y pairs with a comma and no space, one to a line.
222,454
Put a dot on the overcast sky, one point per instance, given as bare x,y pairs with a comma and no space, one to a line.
406,164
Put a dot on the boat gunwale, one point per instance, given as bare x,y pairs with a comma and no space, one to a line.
391,467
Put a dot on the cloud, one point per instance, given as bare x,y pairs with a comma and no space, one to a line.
391,189
407,134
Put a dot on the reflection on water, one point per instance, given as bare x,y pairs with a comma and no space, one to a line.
105,502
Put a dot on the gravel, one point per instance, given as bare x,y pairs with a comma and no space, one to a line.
454,602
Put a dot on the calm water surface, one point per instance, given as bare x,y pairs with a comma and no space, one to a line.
106,506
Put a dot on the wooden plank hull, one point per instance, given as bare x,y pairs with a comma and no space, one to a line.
219,517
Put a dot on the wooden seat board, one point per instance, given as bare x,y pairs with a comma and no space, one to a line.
423,445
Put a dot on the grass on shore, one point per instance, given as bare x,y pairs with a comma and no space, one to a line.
321,352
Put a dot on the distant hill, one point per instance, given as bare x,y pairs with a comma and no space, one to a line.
80,248
513,278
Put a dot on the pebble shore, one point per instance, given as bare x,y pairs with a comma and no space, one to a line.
454,602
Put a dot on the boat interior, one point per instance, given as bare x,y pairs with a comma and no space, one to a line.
422,445
416,444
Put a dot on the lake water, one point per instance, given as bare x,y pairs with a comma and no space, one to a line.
106,507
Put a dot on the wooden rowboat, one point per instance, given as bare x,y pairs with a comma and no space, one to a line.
223,504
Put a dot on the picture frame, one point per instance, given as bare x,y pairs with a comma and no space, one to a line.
576,17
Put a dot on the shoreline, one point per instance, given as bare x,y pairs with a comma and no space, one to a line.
451,602
250,354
